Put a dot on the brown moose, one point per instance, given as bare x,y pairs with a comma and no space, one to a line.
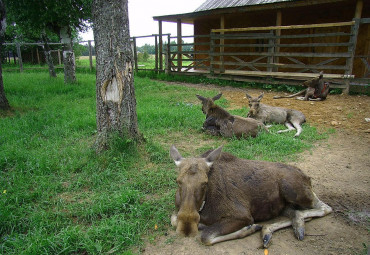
224,196
221,122
317,90
292,119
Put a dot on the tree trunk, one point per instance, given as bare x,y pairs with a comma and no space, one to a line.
115,94
48,58
4,104
68,56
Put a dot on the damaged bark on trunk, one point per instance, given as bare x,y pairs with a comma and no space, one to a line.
48,58
68,56
115,94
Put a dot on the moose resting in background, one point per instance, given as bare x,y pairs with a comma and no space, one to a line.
317,90
292,119
220,122
224,196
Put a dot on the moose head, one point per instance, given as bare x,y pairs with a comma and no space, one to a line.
192,183
254,104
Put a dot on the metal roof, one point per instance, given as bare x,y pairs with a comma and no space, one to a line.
219,4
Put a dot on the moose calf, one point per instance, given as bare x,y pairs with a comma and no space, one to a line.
270,114
317,90
220,122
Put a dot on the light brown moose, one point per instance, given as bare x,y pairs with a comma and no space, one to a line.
224,196
292,119
317,90
221,122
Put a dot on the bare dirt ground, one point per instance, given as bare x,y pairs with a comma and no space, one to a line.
340,171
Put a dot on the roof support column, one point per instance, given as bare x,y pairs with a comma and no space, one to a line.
222,42
160,45
179,46
359,6
277,41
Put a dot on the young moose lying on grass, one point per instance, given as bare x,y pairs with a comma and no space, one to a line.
292,119
220,122
224,196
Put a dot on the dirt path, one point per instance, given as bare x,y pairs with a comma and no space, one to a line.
340,171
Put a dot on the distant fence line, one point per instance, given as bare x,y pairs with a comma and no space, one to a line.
59,56
18,46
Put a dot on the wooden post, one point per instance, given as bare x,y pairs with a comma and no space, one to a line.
160,45
90,56
135,55
38,55
270,58
59,58
359,6
211,52
222,42
156,52
19,57
351,51
277,41
179,46
168,59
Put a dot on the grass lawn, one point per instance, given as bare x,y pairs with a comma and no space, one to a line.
59,197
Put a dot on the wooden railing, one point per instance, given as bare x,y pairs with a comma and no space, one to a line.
297,51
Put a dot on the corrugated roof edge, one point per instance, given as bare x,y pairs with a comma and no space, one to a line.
220,4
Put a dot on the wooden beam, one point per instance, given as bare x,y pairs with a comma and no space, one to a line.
338,24
359,6
222,41
160,45
277,33
179,47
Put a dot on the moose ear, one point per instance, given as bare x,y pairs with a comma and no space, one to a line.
217,97
175,155
248,96
213,156
260,97
321,74
201,98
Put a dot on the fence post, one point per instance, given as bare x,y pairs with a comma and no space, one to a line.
168,58
90,55
271,47
135,55
156,53
211,51
351,51
19,57
59,58
38,55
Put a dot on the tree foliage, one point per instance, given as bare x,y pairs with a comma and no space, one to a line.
31,18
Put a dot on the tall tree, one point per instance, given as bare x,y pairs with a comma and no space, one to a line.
115,94
50,17
4,104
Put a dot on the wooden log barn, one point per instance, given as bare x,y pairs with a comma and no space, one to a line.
273,41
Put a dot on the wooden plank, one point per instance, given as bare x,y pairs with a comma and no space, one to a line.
338,24
286,74
287,54
295,45
324,67
179,41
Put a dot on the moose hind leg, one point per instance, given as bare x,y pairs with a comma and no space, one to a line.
298,127
289,128
227,230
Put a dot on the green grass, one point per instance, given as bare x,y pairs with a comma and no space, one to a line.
59,197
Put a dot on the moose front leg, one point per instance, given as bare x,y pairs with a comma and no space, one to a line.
228,229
